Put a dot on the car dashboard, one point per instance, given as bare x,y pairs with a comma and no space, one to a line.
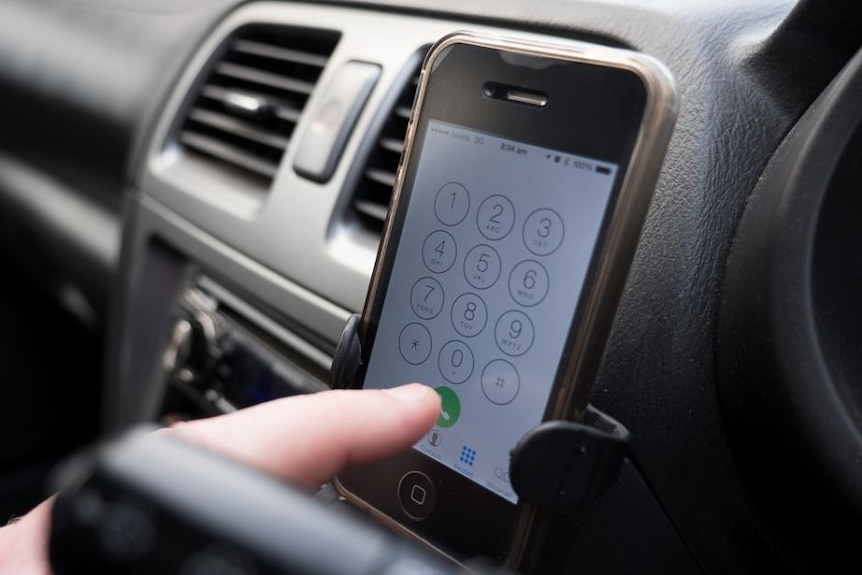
176,172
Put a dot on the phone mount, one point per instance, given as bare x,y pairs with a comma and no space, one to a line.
556,464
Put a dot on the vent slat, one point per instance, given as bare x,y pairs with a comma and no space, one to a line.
283,54
392,144
256,76
242,118
288,114
371,210
380,176
371,198
228,153
282,109
238,128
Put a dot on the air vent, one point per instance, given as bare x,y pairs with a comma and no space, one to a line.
374,190
245,111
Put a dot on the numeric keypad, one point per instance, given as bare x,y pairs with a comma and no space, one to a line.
512,333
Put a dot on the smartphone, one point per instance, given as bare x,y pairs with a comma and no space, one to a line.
522,189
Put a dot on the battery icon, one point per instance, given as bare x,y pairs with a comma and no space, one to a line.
603,170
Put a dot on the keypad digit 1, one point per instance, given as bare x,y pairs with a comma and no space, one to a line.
452,204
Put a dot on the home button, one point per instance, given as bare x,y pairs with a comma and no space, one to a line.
417,495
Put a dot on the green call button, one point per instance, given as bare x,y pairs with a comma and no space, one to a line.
450,407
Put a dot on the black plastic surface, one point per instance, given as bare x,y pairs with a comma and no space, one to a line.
154,292
49,392
623,532
348,356
558,463
791,338
81,81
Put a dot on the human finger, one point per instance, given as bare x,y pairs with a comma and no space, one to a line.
308,439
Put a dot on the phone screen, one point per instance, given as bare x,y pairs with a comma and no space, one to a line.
484,289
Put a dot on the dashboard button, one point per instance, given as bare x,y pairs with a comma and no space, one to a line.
417,495
326,137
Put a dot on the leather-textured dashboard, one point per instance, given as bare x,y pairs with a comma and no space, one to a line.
95,86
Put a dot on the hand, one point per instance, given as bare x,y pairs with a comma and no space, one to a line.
305,440
308,439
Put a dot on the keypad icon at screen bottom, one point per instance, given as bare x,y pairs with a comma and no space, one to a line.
468,455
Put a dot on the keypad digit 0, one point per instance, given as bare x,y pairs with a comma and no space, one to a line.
455,361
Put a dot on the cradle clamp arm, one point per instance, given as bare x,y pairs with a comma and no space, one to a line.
559,463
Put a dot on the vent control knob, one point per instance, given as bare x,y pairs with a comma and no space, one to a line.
193,347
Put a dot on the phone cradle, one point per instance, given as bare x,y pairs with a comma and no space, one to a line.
556,463
348,356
